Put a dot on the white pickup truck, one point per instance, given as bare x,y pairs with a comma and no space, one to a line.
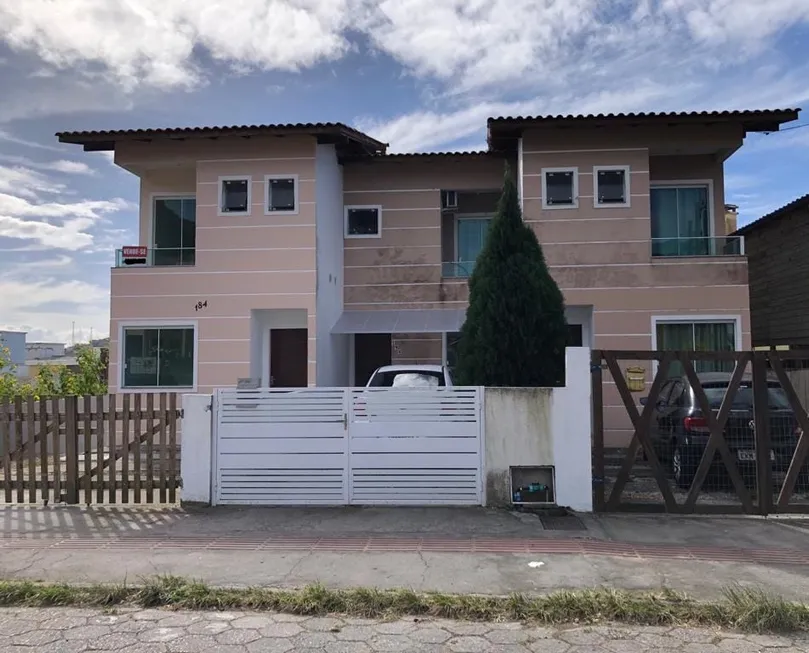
410,376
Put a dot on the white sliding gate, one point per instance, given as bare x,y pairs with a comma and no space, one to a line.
337,446
280,448
415,446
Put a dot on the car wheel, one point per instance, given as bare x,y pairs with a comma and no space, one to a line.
682,466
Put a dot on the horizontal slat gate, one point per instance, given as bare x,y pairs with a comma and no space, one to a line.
277,447
415,446
334,446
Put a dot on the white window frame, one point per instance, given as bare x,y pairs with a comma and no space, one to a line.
155,324
377,207
267,180
221,195
627,186
697,319
554,207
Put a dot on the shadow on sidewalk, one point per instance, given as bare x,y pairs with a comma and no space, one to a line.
396,522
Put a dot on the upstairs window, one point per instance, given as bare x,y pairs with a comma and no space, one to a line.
282,194
175,231
471,236
681,220
363,221
560,188
235,195
611,186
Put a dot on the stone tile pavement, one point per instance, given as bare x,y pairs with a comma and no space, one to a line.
131,630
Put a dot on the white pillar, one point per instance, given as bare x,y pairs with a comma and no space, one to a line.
196,449
571,424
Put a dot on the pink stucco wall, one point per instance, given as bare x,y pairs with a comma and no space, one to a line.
242,262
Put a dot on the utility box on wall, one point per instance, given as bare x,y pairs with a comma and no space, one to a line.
533,485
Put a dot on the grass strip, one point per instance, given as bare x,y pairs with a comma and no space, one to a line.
742,609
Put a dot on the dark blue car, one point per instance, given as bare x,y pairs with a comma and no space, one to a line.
679,431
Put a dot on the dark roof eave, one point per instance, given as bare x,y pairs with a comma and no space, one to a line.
405,156
96,141
501,130
787,209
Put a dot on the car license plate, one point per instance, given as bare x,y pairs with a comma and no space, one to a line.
750,455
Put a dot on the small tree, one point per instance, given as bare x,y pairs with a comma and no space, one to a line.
56,380
89,379
515,329
10,385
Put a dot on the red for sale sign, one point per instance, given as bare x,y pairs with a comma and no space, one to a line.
135,251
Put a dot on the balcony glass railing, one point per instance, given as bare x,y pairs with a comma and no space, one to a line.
721,246
457,269
158,257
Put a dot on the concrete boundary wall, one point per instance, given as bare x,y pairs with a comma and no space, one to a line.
538,427
520,427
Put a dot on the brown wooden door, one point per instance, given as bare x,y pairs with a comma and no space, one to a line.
371,350
289,355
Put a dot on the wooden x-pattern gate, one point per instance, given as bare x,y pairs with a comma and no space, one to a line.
107,449
767,371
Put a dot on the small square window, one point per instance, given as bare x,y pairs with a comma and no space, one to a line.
612,186
282,194
560,188
234,195
363,222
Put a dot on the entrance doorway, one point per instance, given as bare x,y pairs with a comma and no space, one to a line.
289,357
371,350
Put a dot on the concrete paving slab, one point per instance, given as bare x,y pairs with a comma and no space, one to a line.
75,521
65,629
744,532
441,549
446,572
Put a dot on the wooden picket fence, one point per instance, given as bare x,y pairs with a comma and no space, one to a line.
106,449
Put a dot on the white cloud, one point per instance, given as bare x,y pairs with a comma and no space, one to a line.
35,306
63,165
71,234
10,138
431,129
25,182
153,41
69,167
49,224
466,44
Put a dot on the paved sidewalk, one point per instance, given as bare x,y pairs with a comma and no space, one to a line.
157,631
449,550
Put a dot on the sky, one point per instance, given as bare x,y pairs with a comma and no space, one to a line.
420,74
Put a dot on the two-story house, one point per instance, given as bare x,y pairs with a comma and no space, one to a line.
307,255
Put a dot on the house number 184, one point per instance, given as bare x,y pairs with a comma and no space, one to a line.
200,305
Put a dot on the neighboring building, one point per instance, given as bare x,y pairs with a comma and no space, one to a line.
304,254
14,341
34,365
777,247
44,350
